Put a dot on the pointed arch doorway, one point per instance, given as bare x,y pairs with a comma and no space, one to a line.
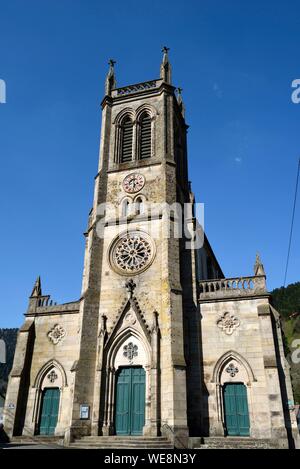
49,386
130,400
233,377
133,347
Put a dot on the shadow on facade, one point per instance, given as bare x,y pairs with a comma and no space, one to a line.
197,394
24,386
283,389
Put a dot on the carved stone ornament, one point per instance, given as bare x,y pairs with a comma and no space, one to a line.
130,318
132,253
130,351
52,376
56,334
228,323
232,370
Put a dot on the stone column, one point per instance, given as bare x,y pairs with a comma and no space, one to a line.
108,426
154,377
98,378
217,428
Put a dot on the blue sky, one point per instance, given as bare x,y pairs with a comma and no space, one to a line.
235,61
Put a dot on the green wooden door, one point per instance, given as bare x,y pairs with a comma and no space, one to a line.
49,411
137,401
130,401
236,409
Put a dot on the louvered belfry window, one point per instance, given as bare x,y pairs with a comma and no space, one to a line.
127,133
145,133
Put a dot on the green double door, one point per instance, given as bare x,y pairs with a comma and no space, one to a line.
49,411
130,401
236,409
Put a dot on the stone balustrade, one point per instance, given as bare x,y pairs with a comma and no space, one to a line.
45,301
46,306
232,287
147,85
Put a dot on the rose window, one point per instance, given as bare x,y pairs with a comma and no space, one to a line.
132,253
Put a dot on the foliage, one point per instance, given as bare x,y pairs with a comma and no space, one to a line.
287,302
287,299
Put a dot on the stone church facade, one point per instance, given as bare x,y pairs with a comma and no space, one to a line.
160,343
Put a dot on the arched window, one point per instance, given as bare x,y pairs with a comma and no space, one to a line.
125,208
145,136
126,140
139,206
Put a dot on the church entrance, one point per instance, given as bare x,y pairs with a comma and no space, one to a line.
236,409
130,401
49,411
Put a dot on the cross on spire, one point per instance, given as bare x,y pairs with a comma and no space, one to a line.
110,82
112,62
165,67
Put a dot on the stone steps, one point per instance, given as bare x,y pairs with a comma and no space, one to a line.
119,442
232,443
37,439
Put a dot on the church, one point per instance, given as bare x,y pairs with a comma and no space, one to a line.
161,350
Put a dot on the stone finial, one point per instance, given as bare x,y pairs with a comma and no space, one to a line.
110,81
258,266
130,286
165,67
37,288
180,101
179,96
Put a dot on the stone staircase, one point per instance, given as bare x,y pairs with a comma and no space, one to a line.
37,439
233,443
122,442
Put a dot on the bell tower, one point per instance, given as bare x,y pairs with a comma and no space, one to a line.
132,304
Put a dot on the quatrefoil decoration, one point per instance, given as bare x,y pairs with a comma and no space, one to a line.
228,323
130,351
56,334
232,370
52,376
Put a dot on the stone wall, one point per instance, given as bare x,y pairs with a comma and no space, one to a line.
234,333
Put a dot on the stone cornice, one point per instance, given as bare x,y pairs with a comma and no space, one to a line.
135,164
67,308
234,298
